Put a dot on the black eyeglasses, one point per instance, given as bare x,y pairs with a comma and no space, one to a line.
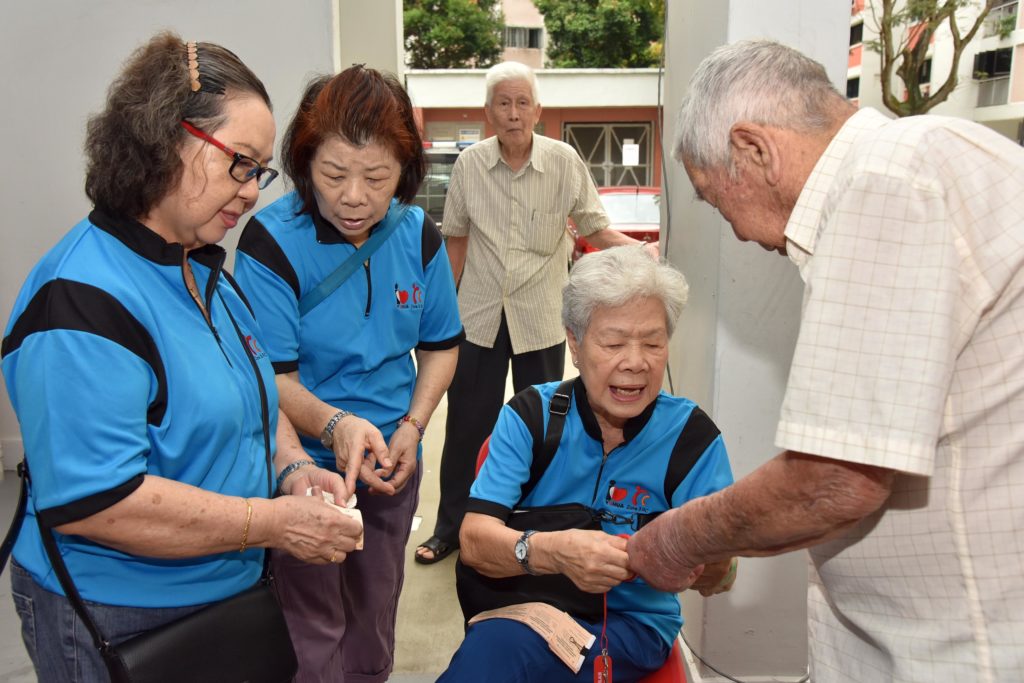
243,168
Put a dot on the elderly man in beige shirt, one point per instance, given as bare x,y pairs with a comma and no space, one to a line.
505,217
902,427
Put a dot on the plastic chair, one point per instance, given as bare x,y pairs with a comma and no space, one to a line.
674,668
672,671
482,455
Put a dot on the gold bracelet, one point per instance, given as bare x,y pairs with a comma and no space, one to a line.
245,531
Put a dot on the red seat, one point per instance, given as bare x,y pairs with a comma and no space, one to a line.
672,671
674,668
482,455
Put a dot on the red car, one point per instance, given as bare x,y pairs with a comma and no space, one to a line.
633,210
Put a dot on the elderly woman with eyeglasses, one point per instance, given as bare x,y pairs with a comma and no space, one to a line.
147,404
626,452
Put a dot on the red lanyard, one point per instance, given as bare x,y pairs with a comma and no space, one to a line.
603,662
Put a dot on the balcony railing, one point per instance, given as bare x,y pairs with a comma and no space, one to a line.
1001,18
993,91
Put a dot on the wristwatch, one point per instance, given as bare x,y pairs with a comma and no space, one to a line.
327,435
522,551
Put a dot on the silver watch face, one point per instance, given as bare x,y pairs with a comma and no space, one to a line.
520,550
327,439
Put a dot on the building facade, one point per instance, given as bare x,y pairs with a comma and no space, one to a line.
990,87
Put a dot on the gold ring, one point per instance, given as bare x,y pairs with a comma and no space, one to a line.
333,555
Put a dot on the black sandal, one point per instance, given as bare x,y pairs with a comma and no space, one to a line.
439,548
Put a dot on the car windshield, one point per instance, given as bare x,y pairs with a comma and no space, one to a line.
632,208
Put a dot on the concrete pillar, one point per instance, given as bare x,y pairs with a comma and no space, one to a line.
732,349
370,33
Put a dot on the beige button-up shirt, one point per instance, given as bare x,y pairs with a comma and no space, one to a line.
909,235
515,220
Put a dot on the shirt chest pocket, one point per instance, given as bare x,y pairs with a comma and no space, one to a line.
544,232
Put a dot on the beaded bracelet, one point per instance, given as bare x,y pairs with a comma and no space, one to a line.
420,427
288,470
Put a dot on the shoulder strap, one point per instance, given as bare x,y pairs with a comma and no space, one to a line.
19,515
542,456
315,296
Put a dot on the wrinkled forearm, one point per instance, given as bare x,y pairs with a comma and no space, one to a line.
434,372
791,502
487,545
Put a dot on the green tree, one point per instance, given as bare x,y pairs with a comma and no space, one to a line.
603,33
905,29
452,34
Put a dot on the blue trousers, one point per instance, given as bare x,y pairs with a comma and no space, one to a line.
57,641
506,651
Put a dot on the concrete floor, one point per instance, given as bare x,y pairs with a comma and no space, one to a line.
429,618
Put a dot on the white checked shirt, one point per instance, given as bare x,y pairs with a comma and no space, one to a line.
909,235
517,257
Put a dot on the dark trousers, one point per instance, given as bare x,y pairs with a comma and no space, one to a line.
475,397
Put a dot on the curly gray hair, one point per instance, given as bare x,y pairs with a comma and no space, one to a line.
614,277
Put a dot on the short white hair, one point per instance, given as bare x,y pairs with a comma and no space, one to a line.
613,278
510,71
758,81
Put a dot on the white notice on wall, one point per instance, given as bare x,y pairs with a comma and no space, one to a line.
630,153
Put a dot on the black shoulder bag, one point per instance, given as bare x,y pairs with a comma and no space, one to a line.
478,593
241,639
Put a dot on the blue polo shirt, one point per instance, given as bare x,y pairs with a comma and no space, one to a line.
627,485
353,350
114,374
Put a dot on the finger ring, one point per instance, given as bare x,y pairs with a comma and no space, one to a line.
333,555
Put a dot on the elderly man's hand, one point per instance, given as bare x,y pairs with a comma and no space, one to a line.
718,577
660,558
595,561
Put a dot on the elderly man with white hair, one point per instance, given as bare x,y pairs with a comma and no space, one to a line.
577,467
504,220
902,426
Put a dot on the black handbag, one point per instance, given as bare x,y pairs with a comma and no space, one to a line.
478,593
243,639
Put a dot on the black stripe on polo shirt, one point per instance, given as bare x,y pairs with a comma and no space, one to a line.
449,343
528,405
431,240
90,505
257,242
698,433
238,290
486,507
285,366
69,305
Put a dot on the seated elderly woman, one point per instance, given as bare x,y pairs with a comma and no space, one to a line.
626,452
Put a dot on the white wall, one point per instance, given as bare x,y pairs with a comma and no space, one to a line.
370,33
59,57
732,349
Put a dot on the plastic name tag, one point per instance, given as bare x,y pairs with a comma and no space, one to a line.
603,668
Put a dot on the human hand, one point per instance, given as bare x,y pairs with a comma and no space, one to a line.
718,577
660,558
358,448
312,530
595,561
653,250
403,448
318,479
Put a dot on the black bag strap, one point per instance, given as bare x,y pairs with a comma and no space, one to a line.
557,410
696,436
50,542
19,515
